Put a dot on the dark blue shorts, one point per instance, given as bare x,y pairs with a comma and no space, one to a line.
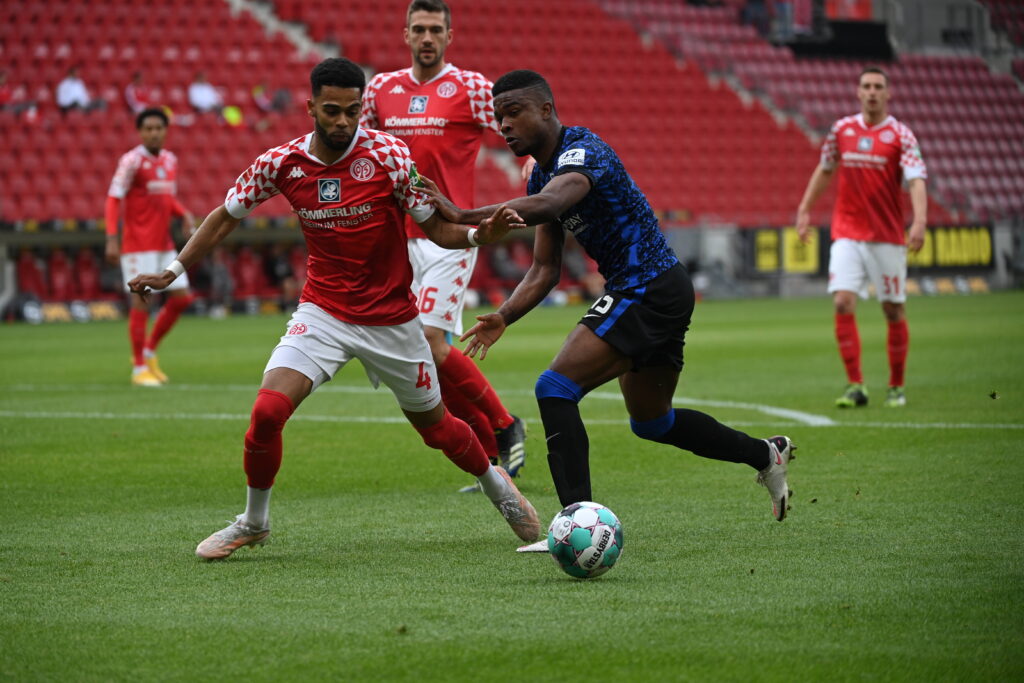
647,324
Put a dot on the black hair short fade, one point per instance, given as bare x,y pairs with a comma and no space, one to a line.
338,72
429,6
522,79
874,70
153,111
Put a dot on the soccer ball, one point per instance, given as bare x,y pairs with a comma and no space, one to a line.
585,539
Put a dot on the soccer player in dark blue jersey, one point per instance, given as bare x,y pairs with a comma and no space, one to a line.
635,331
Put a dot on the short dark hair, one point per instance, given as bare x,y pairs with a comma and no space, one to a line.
152,111
338,72
873,70
522,79
429,6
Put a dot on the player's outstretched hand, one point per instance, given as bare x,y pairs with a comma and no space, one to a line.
497,225
436,198
803,225
915,240
485,333
142,284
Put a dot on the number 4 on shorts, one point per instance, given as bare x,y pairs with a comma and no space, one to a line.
424,377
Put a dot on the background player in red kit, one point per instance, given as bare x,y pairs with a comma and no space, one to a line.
349,187
147,181
442,112
875,155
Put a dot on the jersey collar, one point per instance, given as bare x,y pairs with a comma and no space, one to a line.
442,72
307,142
863,124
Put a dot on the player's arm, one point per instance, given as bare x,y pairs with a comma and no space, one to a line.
112,216
209,234
816,187
454,236
540,279
557,197
919,203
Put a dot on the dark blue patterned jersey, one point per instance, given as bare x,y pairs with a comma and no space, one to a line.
613,223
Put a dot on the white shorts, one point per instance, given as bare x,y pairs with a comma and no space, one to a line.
139,262
318,345
852,265
439,280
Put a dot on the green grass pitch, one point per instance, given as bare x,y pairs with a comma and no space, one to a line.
902,557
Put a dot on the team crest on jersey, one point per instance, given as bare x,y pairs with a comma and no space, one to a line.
864,144
361,169
574,157
447,89
298,328
161,172
887,137
418,104
329,189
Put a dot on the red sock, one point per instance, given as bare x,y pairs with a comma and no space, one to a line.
463,373
898,343
456,440
263,440
137,320
469,413
849,346
165,320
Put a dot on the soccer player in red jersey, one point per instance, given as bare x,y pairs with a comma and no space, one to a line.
442,112
875,155
146,181
349,187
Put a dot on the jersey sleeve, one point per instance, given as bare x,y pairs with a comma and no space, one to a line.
481,102
412,202
911,160
254,186
368,116
586,157
830,148
123,176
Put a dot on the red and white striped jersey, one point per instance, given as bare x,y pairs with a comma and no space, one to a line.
351,214
147,183
442,120
873,163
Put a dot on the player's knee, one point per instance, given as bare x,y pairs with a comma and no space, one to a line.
656,429
551,384
269,413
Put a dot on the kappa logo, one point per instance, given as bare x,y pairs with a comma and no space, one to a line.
848,132
329,189
418,104
864,144
362,169
447,89
297,173
298,328
397,90
574,157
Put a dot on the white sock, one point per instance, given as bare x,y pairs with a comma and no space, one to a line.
148,353
136,369
257,507
493,484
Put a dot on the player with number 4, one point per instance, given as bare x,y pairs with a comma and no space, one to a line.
350,187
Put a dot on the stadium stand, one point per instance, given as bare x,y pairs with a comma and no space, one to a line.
717,125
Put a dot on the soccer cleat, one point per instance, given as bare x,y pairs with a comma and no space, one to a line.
895,398
145,378
855,396
518,511
154,367
228,540
773,477
512,446
472,488
540,546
